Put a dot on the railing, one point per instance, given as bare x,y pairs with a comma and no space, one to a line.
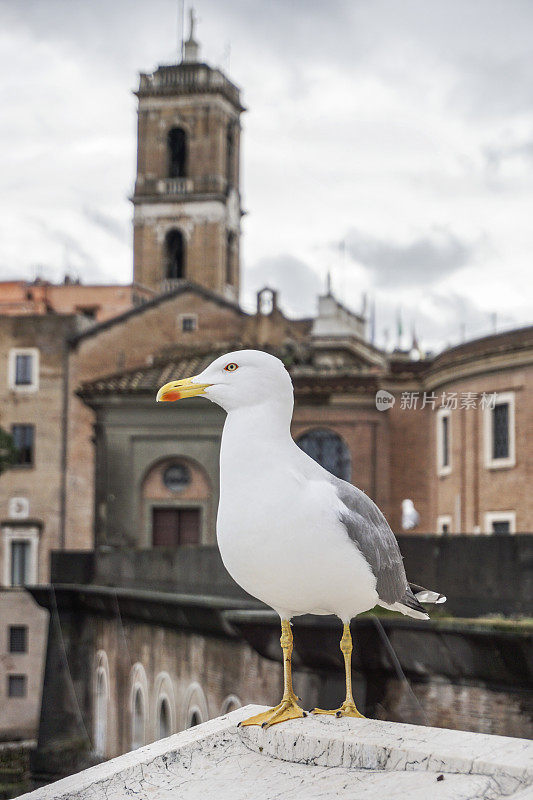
169,284
481,575
189,77
180,187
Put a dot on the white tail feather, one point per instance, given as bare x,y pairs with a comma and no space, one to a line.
427,596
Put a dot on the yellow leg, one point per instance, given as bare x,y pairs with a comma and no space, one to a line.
288,708
348,708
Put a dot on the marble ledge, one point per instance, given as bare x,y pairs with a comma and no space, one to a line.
316,757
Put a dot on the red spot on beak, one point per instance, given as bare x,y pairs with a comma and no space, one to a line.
173,394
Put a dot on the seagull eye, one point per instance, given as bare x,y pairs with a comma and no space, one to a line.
231,367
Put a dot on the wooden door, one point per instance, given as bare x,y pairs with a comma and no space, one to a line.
165,527
175,526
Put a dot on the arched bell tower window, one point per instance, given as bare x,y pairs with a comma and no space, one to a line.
230,149
230,249
177,153
329,450
175,255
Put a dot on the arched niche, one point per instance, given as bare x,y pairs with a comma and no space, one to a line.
139,709
164,706
230,703
101,704
194,708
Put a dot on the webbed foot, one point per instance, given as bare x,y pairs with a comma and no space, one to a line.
287,709
348,709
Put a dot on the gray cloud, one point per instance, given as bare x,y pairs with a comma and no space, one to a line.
108,224
423,261
496,155
493,86
440,319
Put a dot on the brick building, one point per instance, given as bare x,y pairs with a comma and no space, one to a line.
94,302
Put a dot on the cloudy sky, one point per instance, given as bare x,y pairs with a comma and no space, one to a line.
387,141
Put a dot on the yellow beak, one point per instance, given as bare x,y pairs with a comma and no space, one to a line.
177,390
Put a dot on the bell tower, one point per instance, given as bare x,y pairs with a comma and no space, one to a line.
187,207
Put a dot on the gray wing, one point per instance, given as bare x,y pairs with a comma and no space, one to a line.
370,532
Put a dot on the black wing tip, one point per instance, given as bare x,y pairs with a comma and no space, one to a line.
411,601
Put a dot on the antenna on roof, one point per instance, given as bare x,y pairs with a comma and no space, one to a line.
373,321
181,28
226,57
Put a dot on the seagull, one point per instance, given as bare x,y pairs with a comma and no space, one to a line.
290,533
410,516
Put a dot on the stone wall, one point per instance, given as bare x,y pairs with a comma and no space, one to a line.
464,707
197,674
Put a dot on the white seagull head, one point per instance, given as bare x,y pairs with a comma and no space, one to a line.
236,380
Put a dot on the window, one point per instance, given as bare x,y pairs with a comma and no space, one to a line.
175,255
189,323
177,477
16,685
164,720
500,522
21,545
89,312
137,737
500,432
172,527
230,246
444,442
329,450
177,153
444,524
23,439
501,526
20,563
230,146
18,639
23,370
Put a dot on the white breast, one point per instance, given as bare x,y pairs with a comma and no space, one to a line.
281,539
